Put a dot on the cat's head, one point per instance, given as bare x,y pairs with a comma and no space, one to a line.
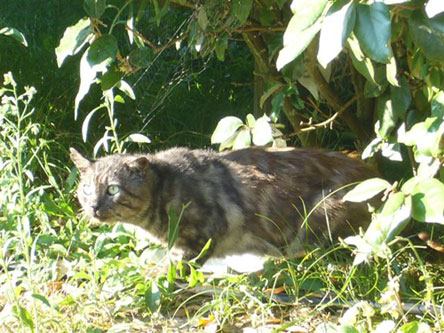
114,188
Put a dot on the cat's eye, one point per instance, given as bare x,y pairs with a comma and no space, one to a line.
113,189
87,189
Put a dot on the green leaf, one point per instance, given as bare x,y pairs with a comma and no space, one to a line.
141,57
14,33
373,30
434,7
94,8
306,12
241,9
74,38
24,315
202,18
221,47
401,98
225,129
392,71
126,89
367,189
438,105
243,139
110,79
389,222
297,42
42,299
426,136
428,34
250,120
102,52
262,132
362,63
386,117
372,148
428,201
336,28
276,86
301,29
87,77
152,297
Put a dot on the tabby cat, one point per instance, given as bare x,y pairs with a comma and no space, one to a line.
255,200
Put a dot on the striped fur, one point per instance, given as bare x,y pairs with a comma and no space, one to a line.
256,200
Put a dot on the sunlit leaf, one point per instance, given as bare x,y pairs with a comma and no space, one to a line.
243,139
367,189
362,63
336,28
373,30
225,129
392,71
306,12
126,88
372,147
428,201
296,45
74,38
262,132
386,117
14,33
139,138
87,77
434,7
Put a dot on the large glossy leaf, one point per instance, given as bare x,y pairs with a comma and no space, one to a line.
102,52
336,28
373,30
428,201
434,7
367,189
428,34
297,45
74,38
94,8
14,33
243,139
225,129
362,63
401,98
306,13
241,9
261,132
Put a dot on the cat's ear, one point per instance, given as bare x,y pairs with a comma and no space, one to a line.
140,164
82,163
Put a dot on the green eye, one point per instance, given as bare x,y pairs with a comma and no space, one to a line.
113,189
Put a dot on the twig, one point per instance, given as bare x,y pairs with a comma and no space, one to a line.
312,127
155,48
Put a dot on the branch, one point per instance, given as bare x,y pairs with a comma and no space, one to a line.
156,49
330,120
330,95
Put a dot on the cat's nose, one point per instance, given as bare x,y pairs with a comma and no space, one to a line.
95,209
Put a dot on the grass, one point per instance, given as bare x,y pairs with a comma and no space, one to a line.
58,273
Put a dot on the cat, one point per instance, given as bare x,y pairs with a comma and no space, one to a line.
263,201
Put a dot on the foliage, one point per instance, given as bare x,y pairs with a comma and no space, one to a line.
367,73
